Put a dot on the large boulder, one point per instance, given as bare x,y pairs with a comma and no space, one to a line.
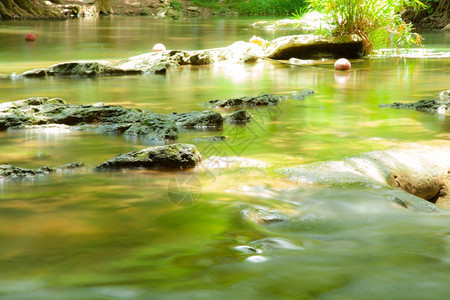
168,157
315,47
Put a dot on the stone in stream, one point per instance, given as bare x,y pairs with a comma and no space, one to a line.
263,100
240,116
41,111
168,157
196,119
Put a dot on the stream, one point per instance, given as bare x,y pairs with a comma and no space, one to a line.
237,227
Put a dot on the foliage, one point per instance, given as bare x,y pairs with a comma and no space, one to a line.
300,12
255,7
375,21
177,5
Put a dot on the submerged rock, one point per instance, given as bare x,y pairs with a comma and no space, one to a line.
315,47
211,139
169,157
422,172
11,172
431,106
263,100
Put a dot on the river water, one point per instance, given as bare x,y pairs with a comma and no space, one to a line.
199,234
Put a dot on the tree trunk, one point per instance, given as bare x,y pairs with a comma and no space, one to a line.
27,9
437,16
104,7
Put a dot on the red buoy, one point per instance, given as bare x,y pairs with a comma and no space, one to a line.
30,37
342,64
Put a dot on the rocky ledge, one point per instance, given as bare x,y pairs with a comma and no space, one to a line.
41,111
168,157
153,62
296,46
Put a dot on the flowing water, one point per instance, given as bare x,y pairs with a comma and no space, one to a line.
199,234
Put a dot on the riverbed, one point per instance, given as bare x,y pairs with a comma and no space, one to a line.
234,228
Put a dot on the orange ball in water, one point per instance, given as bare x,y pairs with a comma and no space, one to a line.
342,64
159,48
30,37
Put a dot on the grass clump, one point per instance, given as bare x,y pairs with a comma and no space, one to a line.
254,7
375,21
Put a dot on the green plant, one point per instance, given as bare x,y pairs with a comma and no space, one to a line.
300,12
372,20
177,5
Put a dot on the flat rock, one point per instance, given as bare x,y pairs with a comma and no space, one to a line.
315,47
81,69
168,157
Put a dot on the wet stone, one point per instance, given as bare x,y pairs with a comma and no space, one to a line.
168,157
240,116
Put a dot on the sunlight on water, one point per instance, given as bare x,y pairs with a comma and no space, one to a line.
236,226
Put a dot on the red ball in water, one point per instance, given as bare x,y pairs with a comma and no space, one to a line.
30,37
342,64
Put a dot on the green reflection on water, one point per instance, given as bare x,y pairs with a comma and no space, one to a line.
118,235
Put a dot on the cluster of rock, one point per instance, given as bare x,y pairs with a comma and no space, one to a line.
103,118
41,112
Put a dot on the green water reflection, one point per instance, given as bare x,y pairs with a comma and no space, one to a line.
85,235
